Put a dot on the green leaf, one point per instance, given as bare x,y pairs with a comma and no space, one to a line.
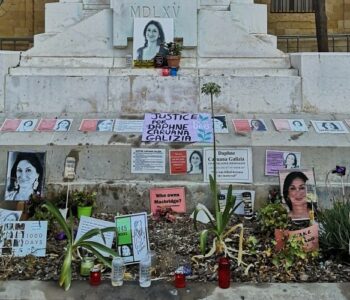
93,232
61,221
206,211
228,211
94,247
203,240
66,270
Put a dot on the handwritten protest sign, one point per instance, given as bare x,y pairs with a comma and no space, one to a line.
174,127
168,197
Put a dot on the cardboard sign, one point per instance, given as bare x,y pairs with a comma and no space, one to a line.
96,125
20,125
144,161
59,125
168,197
278,160
232,164
310,235
133,241
174,127
88,223
23,238
248,125
297,125
189,161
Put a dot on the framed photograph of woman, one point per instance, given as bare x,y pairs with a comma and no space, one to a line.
25,175
150,34
298,188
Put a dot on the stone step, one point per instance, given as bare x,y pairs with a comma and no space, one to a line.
104,159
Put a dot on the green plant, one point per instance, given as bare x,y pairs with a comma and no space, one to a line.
218,225
73,245
83,198
173,48
335,223
292,253
273,216
252,244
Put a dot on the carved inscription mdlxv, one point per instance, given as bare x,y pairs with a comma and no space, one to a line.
154,11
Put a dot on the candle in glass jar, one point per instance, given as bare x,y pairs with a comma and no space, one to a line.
86,265
180,280
95,276
224,274
165,72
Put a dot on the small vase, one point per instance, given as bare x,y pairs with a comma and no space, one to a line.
84,211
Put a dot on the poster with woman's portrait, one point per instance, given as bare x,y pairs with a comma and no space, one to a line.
150,35
277,160
298,189
329,126
61,125
25,175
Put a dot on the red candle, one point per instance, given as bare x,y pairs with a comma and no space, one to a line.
165,72
224,273
95,276
180,280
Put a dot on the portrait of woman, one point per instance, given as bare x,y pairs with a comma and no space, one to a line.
220,124
150,35
27,125
329,126
298,125
24,175
63,125
257,125
125,250
295,195
139,237
11,217
154,40
291,161
104,125
195,163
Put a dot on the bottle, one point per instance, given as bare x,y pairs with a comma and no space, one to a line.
145,271
248,205
224,274
118,269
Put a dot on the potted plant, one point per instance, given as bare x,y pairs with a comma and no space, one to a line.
84,201
174,54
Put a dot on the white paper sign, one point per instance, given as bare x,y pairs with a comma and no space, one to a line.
23,238
88,223
148,161
232,164
329,126
123,125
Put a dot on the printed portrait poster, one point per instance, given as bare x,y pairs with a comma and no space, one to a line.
245,208
147,161
189,161
168,197
298,187
133,241
220,124
248,125
88,223
232,165
278,160
9,215
96,125
149,35
23,238
297,125
176,127
125,125
19,125
25,175
59,125
329,126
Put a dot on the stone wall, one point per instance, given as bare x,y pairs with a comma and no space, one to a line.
22,18
338,13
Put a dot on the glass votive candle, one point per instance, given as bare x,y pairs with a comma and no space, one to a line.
165,71
95,276
180,280
86,265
